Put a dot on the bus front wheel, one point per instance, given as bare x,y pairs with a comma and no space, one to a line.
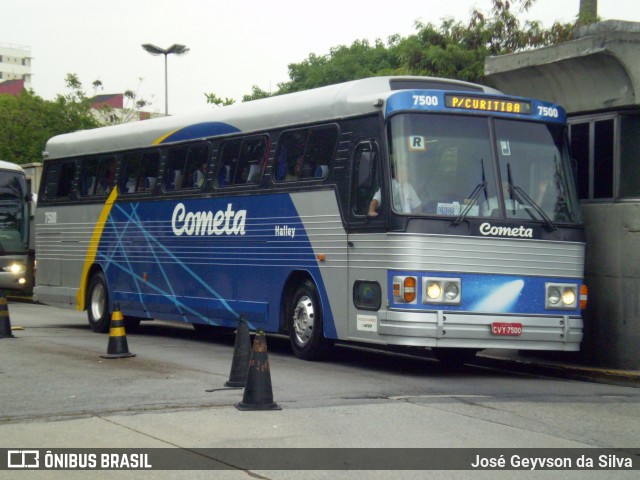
98,304
305,324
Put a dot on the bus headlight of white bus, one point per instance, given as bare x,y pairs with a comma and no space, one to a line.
15,268
563,296
441,290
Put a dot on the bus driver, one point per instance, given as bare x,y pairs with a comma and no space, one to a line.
405,198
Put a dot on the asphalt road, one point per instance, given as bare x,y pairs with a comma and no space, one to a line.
57,391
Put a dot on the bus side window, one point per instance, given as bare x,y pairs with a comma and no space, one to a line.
140,170
88,176
306,153
228,163
366,180
291,155
186,167
252,155
320,150
58,179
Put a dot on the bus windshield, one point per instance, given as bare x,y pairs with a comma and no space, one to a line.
13,217
445,165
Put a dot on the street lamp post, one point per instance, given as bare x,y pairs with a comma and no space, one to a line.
175,49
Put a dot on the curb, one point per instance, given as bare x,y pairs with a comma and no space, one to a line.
573,372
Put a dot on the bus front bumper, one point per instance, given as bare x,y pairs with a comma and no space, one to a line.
462,330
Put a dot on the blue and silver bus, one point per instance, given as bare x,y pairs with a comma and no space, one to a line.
16,253
392,211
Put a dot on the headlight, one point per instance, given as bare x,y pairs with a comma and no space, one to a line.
441,291
568,297
15,268
553,296
451,291
562,296
434,290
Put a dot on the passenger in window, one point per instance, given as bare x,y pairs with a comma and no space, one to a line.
143,184
297,169
106,180
224,177
405,198
200,175
130,185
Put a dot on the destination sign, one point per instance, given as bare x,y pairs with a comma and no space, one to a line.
470,102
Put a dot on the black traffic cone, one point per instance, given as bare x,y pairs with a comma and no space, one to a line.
117,347
5,321
258,394
241,356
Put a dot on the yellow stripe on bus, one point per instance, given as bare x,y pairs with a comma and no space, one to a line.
161,139
93,246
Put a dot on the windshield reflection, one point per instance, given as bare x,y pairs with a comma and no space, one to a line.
13,218
443,165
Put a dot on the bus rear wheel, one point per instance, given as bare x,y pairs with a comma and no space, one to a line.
305,324
98,304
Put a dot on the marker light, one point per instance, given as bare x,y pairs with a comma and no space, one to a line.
405,289
584,295
410,289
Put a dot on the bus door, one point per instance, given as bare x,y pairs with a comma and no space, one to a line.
366,241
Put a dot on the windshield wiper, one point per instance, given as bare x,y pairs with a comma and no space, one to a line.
518,194
472,198
471,201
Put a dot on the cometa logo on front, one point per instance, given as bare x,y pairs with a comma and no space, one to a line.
487,229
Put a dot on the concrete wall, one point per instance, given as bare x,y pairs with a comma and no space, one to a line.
600,70
597,72
612,273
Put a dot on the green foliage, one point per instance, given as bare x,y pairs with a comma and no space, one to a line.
215,100
28,121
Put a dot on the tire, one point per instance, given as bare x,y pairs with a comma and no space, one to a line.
304,322
454,358
98,304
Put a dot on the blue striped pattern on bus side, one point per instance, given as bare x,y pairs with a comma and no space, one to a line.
209,258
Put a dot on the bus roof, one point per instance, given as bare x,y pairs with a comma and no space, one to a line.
10,166
321,104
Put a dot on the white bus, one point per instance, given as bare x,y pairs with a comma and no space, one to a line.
288,211
16,255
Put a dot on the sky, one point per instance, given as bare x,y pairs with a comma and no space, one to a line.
234,44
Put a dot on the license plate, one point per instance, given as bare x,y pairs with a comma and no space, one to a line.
506,329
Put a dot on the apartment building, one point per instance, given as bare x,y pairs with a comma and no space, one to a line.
15,63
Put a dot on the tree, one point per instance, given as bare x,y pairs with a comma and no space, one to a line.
28,121
133,104
215,100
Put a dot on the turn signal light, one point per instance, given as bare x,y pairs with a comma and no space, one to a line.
584,295
409,289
